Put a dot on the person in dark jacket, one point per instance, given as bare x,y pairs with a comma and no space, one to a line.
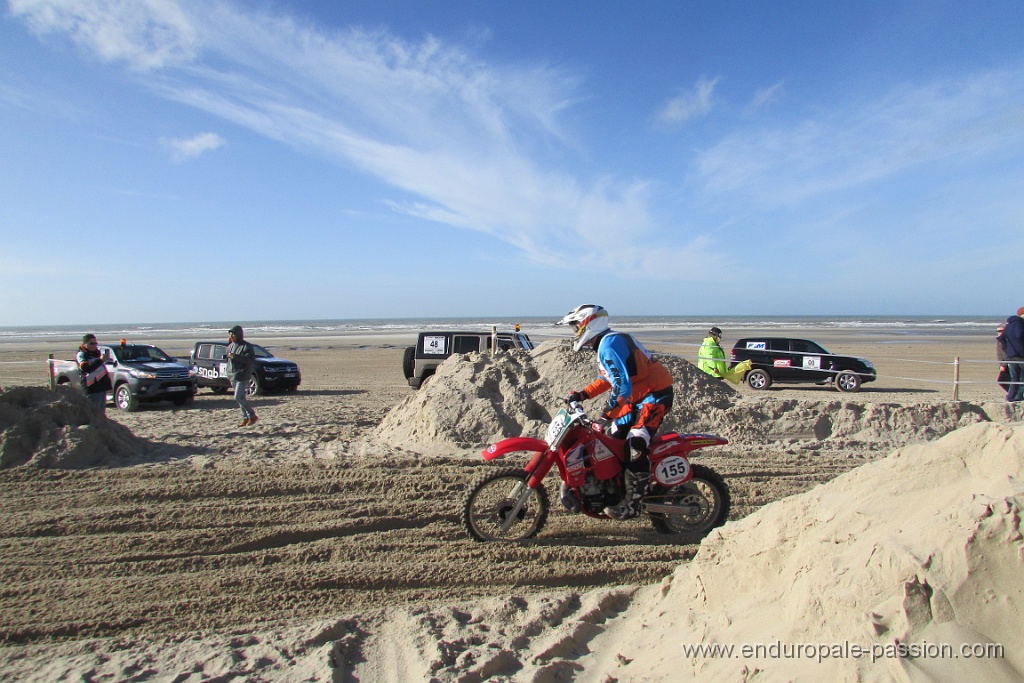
241,357
1003,378
1013,339
95,378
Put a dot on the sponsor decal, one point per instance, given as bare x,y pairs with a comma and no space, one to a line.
664,447
576,459
812,362
208,373
602,452
493,448
783,362
757,345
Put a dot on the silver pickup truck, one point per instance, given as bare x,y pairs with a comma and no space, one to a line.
139,373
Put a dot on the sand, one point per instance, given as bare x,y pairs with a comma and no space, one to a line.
325,544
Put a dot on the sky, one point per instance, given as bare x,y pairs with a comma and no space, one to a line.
207,160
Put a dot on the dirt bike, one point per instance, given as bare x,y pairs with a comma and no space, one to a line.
511,504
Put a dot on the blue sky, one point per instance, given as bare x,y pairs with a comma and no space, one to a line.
193,160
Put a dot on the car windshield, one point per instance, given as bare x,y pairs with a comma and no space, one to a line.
140,354
262,352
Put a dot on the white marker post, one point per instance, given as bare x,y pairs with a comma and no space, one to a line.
956,379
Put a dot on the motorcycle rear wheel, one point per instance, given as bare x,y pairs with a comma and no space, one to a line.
707,490
493,497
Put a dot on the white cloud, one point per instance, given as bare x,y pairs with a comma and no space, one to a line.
697,102
146,34
451,133
184,149
765,97
910,128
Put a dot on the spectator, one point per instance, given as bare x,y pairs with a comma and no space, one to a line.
1013,338
1003,378
241,357
93,369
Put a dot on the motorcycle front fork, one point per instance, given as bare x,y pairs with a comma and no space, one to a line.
520,494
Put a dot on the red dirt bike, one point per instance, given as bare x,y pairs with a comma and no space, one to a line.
511,504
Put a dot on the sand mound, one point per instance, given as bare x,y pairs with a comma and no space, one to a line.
844,423
475,399
922,547
59,429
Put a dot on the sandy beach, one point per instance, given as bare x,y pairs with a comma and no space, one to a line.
325,544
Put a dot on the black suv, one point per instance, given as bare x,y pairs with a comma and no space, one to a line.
210,362
420,361
784,360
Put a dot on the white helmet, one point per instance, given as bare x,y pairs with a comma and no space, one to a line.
587,322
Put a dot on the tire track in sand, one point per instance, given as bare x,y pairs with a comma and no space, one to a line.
182,548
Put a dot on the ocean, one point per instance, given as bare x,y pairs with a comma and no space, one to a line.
655,328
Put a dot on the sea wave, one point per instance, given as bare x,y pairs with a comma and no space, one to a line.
541,326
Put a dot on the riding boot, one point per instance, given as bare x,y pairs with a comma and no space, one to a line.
636,485
568,498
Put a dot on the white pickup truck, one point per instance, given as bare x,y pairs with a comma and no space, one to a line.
138,372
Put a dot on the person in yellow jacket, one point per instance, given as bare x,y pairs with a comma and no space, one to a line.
711,358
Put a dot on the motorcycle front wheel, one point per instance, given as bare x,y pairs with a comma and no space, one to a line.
490,511
707,497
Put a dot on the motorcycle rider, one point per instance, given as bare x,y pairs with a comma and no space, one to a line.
641,394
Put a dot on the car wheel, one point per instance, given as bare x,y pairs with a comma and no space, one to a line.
848,381
759,379
409,361
254,388
124,399
219,390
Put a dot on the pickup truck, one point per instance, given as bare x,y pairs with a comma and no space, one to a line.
420,362
139,373
210,364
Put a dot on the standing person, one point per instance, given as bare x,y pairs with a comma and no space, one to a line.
1003,378
711,358
241,357
1013,338
641,393
93,369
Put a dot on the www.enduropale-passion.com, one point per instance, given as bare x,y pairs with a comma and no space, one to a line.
844,650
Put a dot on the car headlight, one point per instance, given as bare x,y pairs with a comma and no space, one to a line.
142,374
192,372
866,362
